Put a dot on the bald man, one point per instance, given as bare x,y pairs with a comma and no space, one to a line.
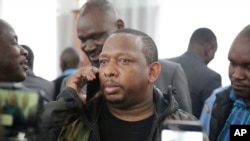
13,62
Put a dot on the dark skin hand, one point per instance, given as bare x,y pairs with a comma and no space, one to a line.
78,80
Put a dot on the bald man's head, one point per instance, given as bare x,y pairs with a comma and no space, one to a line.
96,21
13,62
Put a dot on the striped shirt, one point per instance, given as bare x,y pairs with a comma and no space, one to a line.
240,114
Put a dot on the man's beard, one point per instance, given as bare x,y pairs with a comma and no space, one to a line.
116,101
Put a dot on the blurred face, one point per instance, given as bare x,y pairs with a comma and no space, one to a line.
124,71
239,68
13,62
93,28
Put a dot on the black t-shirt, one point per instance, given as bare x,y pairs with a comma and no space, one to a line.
114,129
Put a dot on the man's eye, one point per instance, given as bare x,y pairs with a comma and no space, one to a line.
247,67
96,37
102,62
124,61
83,40
232,64
14,43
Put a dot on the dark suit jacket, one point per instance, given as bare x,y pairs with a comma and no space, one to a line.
173,74
37,83
201,79
58,83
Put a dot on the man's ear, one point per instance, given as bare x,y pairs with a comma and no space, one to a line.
206,51
120,24
209,53
209,49
154,71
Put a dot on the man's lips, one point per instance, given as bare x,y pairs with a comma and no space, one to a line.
24,64
239,86
111,87
111,90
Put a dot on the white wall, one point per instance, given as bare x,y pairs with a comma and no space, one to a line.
179,18
46,26
65,27
35,24
0,8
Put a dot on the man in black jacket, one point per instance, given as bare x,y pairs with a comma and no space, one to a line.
127,108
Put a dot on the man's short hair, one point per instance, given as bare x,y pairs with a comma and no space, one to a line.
203,36
149,49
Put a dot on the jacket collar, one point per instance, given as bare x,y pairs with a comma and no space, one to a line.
164,104
194,56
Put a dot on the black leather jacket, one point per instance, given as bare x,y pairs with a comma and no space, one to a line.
68,119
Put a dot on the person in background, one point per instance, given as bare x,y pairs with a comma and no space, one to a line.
70,61
128,106
97,20
13,62
201,79
229,105
46,88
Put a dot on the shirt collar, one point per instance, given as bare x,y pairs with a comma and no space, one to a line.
69,71
237,100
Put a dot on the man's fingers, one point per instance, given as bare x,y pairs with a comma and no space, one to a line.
95,70
80,78
83,97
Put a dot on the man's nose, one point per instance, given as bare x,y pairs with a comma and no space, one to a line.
238,73
89,45
23,51
111,70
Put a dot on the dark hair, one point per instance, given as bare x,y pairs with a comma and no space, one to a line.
203,36
149,49
71,57
30,56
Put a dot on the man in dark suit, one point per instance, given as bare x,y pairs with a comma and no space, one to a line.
37,83
173,74
201,79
